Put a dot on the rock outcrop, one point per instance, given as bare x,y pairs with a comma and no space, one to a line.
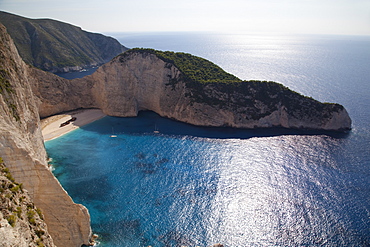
21,223
141,79
58,47
23,152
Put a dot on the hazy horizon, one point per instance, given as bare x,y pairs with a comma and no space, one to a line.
343,17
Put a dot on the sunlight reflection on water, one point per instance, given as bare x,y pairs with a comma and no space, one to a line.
165,189
197,186
269,197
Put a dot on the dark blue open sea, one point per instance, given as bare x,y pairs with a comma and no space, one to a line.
197,186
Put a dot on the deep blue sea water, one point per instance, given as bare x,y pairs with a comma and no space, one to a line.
77,74
197,186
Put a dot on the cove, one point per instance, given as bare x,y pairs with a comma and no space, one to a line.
190,185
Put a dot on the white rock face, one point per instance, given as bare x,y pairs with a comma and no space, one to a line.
142,81
125,86
137,81
21,224
10,236
22,149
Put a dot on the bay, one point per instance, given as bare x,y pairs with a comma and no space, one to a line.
200,186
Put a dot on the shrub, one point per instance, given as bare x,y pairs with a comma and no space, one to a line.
11,220
32,221
39,212
5,85
5,170
30,215
39,232
15,189
40,243
19,212
10,177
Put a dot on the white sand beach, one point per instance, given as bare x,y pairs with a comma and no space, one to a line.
51,126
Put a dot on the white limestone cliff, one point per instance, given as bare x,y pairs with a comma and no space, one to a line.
23,152
137,81
21,224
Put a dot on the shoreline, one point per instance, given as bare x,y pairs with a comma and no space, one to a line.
50,126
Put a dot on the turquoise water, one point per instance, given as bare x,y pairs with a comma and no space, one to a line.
200,186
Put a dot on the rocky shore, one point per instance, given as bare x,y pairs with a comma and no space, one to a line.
22,150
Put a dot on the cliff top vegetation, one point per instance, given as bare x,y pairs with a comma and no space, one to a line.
204,77
195,68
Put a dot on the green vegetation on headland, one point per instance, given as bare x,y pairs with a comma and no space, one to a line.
210,84
53,45
195,68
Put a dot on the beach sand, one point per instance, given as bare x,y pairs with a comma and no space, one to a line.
51,126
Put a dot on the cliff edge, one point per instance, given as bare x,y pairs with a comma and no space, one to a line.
193,90
23,152
21,223
189,89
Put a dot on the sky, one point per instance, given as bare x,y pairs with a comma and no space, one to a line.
348,17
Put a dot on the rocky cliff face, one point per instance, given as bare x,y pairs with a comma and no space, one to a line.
55,94
22,149
140,80
21,223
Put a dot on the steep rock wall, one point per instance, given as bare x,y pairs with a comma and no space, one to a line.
22,149
137,80
21,224
55,94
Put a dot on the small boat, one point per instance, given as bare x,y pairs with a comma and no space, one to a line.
156,131
113,135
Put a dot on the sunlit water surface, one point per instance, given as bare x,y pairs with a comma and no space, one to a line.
200,186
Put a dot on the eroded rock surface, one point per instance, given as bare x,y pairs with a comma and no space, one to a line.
22,149
139,80
21,223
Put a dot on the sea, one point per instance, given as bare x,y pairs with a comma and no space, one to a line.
152,181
